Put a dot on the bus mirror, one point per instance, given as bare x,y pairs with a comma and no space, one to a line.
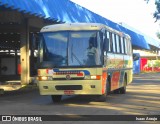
106,45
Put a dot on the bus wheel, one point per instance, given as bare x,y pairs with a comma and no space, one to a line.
108,86
56,98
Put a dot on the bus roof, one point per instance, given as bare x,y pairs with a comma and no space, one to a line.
72,26
77,27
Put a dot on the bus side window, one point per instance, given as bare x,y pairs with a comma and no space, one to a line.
117,44
129,47
122,45
107,33
113,43
125,46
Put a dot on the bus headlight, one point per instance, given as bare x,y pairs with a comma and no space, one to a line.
44,78
95,77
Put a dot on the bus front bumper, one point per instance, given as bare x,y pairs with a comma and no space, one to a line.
70,87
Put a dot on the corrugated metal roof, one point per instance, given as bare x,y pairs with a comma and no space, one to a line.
150,40
67,11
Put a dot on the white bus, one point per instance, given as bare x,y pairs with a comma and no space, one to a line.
83,59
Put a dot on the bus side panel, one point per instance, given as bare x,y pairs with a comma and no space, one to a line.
121,81
119,65
115,64
119,69
129,76
115,80
129,68
104,81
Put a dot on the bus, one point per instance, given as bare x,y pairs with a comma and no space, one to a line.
83,59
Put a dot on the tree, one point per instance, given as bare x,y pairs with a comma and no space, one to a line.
156,14
158,35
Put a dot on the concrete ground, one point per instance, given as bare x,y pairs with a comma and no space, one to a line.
142,98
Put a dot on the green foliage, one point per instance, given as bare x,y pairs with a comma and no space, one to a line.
146,1
153,63
156,14
157,63
158,35
149,65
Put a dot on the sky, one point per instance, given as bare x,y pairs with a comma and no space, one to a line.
134,13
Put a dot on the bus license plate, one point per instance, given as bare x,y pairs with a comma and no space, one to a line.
68,92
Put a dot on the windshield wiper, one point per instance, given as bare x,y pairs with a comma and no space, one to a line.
73,55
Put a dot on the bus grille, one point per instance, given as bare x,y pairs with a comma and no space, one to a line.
68,87
81,78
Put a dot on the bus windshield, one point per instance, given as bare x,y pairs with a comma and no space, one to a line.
70,49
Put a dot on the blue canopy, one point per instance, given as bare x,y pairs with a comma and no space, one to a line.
67,11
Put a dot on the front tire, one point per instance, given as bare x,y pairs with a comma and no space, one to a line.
56,98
